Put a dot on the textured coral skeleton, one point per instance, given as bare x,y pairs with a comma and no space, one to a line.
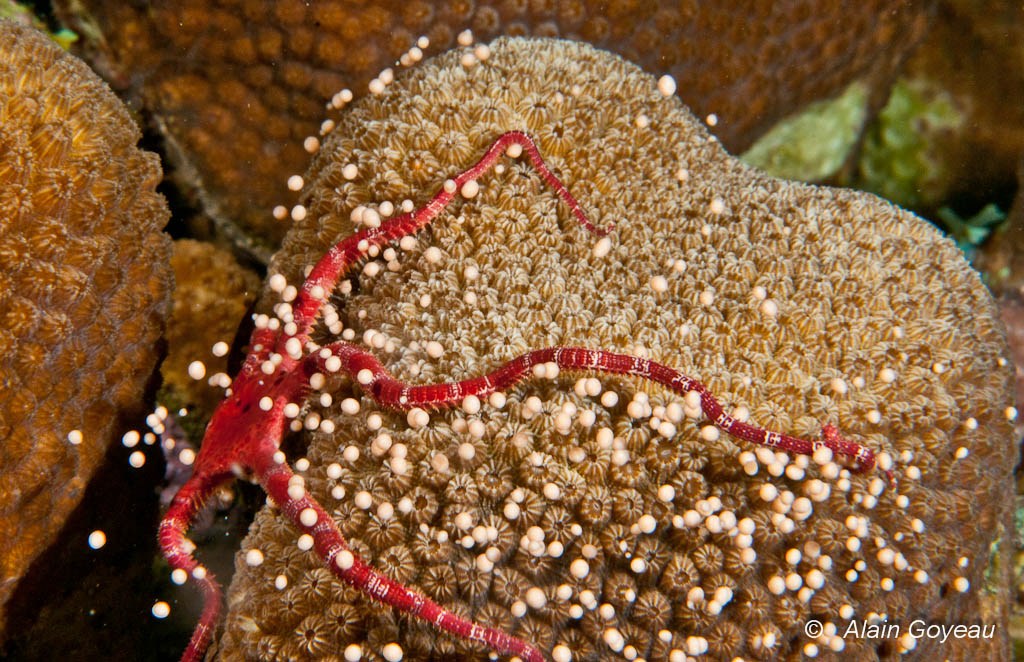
84,288
284,366
235,86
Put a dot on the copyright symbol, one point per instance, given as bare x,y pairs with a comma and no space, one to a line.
813,628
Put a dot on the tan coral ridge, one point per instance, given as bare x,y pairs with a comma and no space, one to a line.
211,295
235,86
84,285
591,516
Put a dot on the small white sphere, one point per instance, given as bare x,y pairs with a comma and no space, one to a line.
97,539
345,559
667,85
392,652
308,517
535,597
196,370
470,189
471,404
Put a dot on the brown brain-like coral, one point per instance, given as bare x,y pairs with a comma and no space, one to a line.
84,285
592,516
236,86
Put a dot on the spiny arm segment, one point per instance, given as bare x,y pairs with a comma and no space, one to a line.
391,393
177,549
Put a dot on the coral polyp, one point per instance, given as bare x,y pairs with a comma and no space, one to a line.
284,366
604,517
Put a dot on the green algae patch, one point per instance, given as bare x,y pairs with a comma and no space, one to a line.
812,144
896,161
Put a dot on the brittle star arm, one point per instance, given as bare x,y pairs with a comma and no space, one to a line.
261,344
288,491
390,393
177,549
340,258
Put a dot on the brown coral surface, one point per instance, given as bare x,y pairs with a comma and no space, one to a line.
84,285
974,53
592,516
237,85
211,295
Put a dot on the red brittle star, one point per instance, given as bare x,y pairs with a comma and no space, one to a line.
284,366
